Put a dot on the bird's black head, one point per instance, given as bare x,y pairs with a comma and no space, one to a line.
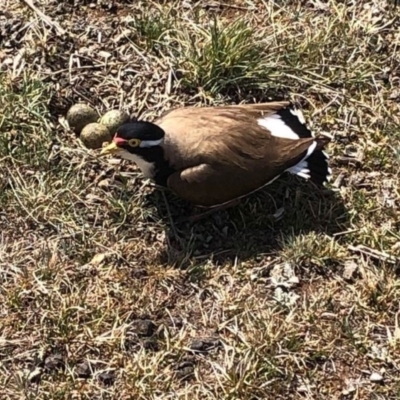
141,142
135,137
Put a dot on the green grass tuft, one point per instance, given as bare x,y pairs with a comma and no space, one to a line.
221,57
24,120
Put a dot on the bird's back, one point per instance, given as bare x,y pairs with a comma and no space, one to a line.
226,135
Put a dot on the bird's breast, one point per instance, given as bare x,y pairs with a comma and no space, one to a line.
147,168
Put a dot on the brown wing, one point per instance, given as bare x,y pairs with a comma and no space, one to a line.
226,134
209,185
222,153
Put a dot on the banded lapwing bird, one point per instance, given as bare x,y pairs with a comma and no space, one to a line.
213,156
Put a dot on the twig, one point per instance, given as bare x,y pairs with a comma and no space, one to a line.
45,18
234,6
61,71
379,255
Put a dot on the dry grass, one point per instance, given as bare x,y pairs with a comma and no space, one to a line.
105,297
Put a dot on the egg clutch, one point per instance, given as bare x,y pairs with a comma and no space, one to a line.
92,129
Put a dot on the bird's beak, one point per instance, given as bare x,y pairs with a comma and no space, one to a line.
111,148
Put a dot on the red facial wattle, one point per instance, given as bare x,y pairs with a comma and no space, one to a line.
118,141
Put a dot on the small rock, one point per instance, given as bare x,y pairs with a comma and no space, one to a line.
351,386
131,343
396,246
175,322
303,389
350,270
353,154
140,273
376,378
348,390
104,183
107,378
184,370
284,297
150,344
394,95
379,353
283,276
104,54
98,259
54,362
83,370
92,198
197,345
8,61
143,327
293,280
353,151
254,276
204,344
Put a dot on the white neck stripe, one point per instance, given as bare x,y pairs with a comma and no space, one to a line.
150,143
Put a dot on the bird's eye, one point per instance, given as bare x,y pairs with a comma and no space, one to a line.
134,142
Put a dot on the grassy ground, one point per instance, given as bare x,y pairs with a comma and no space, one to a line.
103,296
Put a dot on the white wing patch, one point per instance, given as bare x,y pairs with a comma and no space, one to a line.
277,127
301,168
310,150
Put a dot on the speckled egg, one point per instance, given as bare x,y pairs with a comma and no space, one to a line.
80,115
114,119
94,135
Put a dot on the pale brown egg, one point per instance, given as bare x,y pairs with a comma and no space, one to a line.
114,119
80,115
94,135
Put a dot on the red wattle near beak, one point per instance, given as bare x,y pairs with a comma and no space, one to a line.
118,141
